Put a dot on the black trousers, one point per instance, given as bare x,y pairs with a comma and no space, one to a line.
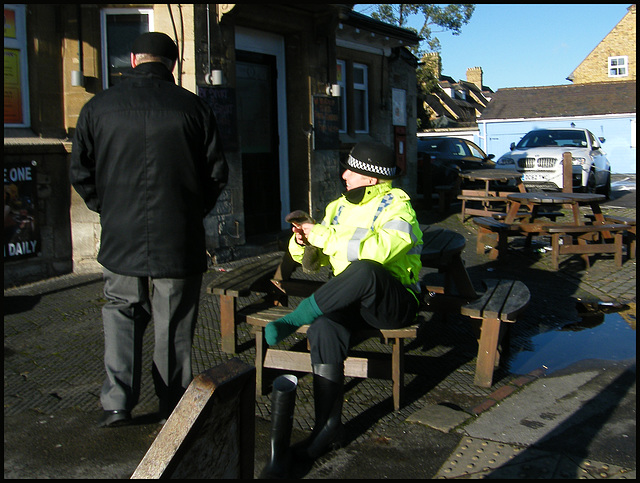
363,295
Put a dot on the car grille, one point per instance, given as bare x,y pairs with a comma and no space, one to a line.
532,163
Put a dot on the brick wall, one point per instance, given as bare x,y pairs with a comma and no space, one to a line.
620,41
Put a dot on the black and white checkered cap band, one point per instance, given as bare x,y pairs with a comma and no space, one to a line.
370,168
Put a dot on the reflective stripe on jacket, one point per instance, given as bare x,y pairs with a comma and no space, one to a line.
382,227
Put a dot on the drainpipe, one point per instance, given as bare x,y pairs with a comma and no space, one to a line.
77,76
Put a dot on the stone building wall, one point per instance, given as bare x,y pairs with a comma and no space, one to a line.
620,41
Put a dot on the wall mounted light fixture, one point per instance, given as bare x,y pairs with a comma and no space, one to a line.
214,78
77,78
333,90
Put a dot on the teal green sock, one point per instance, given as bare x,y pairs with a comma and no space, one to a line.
305,313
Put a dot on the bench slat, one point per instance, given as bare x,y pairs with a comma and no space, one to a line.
238,281
503,300
500,292
582,228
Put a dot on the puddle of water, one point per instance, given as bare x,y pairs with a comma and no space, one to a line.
602,336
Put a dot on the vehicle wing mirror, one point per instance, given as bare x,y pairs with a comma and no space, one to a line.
601,139
513,146
491,156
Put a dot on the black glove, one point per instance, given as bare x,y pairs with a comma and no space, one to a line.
311,257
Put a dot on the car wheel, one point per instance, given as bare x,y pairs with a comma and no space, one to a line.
606,189
591,183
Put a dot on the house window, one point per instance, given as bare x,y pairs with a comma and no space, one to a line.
618,66
120,27
360,98
16,79
353,79
341,80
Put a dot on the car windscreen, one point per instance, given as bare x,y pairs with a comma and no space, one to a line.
431,145
535,139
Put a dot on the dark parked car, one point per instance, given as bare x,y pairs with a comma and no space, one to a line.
441,159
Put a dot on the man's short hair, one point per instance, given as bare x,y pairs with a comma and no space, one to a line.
142,58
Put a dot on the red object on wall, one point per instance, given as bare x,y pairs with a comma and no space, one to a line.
400,142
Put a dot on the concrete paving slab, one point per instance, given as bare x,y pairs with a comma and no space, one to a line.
535,412
439,417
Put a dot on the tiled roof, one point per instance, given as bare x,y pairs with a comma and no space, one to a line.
557,101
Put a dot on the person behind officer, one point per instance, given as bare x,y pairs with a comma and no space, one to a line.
147,157
371,238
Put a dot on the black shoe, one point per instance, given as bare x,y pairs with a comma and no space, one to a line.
112,419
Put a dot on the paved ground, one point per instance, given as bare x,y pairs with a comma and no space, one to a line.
576,422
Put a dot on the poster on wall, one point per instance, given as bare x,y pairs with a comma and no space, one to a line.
399,100
326,116
222,101
21,228
12,89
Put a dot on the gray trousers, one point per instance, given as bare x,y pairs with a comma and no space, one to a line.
131,303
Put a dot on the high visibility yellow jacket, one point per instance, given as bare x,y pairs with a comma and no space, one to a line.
381,227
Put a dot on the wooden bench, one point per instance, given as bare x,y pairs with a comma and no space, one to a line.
521,215
501,302
487,200
211,432
630,235
494,233
575,241
240,282
364,366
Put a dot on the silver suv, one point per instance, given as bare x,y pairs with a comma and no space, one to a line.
538,156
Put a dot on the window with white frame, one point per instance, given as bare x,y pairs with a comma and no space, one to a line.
619,66
341,80
360,98
119,28
16,78
353,79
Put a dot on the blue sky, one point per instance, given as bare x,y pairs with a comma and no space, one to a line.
524,45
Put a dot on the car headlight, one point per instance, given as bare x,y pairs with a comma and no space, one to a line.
579,161
505,161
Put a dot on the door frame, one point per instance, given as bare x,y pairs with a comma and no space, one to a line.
272,44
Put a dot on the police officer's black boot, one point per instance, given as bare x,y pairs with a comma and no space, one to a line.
328,431
283,401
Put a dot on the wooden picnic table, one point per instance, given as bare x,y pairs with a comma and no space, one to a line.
240,282
488,196
572,200
569,238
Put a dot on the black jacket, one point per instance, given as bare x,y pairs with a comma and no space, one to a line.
147,157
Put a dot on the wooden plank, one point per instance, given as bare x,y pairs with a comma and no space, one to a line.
475,308
584,228
493,308
362,367
228,323
487,350
211,432
263,317
238,281
518,300
297,287
288,360
397,372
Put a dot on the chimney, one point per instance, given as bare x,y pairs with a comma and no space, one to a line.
432,61
474,75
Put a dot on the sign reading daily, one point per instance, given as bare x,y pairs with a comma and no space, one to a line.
21,229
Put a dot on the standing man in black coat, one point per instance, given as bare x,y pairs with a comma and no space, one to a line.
147,157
